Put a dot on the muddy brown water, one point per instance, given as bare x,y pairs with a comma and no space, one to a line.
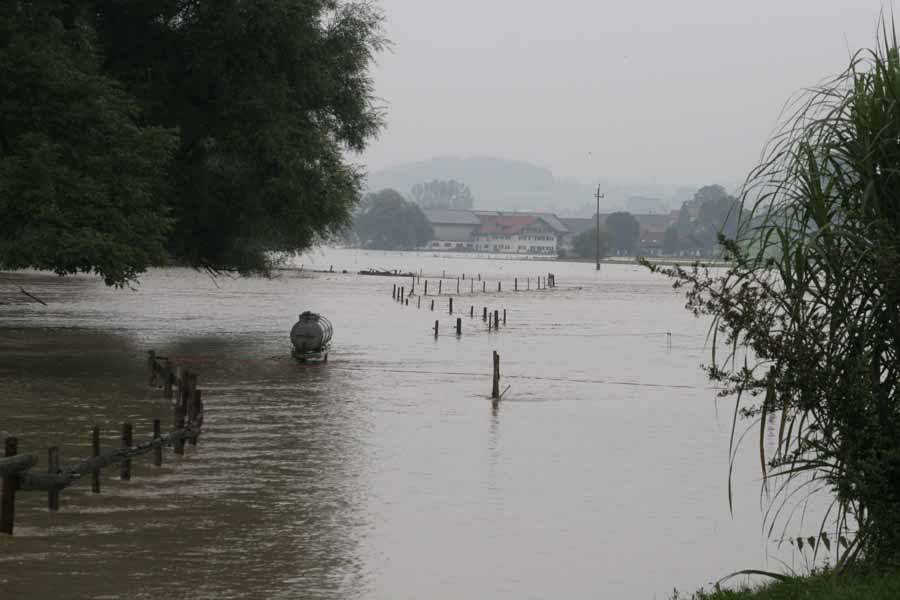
386,473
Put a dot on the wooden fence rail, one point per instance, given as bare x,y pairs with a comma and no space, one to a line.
16,470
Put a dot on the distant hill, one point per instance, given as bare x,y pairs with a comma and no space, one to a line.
496,183
503,184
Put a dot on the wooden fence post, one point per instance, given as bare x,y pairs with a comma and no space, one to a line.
197,411
484,313
504,316
498,286
471,286
394,292
440,285
435,329
497,319
457,285
458,326
420,302
8,498
432,305
451,306
125,471
95,451
167,386
471,310
483,287
53,469
157,452
151,364
426,287
495,386
179,408
516,284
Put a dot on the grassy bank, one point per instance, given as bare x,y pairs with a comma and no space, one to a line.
857,586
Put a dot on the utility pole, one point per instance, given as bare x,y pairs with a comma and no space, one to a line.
598,195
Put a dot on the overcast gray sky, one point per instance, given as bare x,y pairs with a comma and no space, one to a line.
667,91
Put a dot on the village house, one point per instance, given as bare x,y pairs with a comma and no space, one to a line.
454,230
516,234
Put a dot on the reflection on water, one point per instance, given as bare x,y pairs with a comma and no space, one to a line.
388,472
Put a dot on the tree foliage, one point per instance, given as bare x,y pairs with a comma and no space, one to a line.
624,232
265,97
82,181
449,194
585,243
810,312
386,221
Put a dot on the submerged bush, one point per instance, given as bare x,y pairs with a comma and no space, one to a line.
810,308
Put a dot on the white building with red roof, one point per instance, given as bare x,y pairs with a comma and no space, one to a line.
516,234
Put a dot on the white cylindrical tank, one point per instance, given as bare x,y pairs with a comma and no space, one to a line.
311,333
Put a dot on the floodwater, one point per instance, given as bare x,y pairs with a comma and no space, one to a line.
386,473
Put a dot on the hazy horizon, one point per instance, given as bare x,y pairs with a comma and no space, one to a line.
655,92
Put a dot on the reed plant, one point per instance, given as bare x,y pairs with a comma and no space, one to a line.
808,314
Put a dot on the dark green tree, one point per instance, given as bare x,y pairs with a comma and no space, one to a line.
82,179
266,98
585,243
386,221
624,232
671,241
449,194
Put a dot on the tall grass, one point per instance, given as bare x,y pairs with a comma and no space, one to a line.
810,311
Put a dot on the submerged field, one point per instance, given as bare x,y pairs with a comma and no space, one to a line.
386,473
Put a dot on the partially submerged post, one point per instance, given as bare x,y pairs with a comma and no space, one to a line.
95,452
436,329
498,286
496,319
440,285
484,313
458,326
394,292
495,386
457,285
179,408
151,364
125,470
157,452
504,316
8,497
426,287
52,470
451,306
432,305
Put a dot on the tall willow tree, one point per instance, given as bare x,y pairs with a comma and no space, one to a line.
82,180
211,132
810,311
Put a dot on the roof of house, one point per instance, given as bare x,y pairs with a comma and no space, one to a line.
505,224
576,226
552,221
438,216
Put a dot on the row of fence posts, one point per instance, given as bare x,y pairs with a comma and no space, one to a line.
400,293
187,421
